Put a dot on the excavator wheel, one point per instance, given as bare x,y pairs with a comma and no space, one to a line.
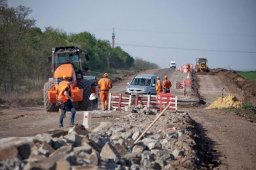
49,107
85,104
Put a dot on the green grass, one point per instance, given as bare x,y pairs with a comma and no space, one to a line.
250,75
248,111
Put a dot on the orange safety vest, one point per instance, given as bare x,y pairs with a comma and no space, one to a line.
63,85
167,84
105,84
159,87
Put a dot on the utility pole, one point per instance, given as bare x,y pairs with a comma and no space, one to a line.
113,38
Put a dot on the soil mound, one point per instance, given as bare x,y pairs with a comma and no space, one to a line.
225,102
233,78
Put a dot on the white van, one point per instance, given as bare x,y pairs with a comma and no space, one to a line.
142,84
173,64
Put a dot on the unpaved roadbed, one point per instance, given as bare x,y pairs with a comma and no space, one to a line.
168,144
232,139
223,139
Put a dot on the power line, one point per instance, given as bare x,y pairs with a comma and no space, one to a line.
186,49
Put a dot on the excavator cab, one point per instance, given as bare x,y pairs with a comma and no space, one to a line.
67,55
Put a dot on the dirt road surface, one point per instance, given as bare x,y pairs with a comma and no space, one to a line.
29,121
232,138
212,87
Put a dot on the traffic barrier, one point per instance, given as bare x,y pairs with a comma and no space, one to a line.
185,85
146,101
119,101
179,85
187,68
123,101
165,99
187,82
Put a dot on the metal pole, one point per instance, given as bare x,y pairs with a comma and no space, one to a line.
222,95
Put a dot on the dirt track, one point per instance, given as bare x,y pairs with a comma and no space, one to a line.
28,121
232,138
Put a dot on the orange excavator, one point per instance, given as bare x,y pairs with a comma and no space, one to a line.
66,62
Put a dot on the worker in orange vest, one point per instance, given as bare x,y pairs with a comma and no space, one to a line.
166,85
64,101
104,85
159,87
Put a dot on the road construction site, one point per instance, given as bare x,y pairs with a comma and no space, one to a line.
192,137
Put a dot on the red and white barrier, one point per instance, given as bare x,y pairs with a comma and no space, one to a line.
164,99
123,101
179,85
119,101
185,85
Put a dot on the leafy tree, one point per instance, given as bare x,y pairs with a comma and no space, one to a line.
140,64
121,59
13,32
24,50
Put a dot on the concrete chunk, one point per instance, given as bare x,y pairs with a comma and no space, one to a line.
79,130
108,152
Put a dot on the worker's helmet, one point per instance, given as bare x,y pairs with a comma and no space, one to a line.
158,78
105,75
165,77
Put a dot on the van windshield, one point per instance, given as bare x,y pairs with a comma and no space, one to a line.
141,82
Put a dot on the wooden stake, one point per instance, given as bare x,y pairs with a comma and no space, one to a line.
160,114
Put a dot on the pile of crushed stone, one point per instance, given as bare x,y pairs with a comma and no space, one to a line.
225,102
169,144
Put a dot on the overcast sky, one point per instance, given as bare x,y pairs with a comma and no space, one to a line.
224,31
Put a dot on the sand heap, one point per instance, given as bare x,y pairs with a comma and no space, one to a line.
225,102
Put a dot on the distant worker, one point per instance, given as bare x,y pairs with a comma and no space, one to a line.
166,85
159,87
64,100
104,85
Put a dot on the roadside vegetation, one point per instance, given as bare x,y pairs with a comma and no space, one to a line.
25,48
248,111
250,75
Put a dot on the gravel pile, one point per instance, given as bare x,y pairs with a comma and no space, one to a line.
168,144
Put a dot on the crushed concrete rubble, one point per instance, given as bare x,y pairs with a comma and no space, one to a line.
225,102
169,144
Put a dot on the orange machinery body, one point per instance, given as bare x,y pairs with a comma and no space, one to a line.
67,70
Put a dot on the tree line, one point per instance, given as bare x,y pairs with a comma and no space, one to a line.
25,48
